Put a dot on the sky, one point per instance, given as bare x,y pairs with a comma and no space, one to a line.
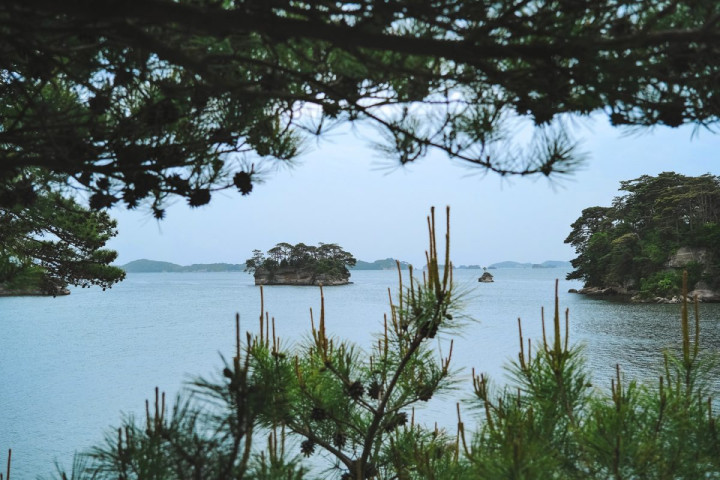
340,191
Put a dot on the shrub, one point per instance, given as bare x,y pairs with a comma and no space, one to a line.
661,284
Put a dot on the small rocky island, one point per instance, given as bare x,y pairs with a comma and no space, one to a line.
286,264
486,277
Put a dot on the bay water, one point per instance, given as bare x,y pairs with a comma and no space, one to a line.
71,367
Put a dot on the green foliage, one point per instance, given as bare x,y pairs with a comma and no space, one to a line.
630,243
710,234
55,242
695,272
22,278
661,284
325,259
188,97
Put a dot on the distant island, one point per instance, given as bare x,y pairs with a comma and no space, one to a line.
511,264
385,264
301,264
545,264
153,266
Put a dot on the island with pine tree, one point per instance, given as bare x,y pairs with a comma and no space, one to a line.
286,264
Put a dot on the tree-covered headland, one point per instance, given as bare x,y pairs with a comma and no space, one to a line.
326,264
634,244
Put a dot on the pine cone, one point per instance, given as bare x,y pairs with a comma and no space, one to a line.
307,447
395,421
355,390
424,392
339,439
374,390
318,414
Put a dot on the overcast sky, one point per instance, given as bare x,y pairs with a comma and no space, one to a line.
341,192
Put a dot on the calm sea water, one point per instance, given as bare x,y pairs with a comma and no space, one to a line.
71,366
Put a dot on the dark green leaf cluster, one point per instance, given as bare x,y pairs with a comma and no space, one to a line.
150,98
55,242
630,243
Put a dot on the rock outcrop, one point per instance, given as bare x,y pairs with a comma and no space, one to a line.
293,276
486,278
601,291
686,255
705,295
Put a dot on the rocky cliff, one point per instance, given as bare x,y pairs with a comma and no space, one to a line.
293,276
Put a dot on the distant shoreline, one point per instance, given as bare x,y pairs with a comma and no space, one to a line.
155,266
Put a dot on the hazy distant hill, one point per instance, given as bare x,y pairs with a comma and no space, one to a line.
385,264
154,266
545,264
556,264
